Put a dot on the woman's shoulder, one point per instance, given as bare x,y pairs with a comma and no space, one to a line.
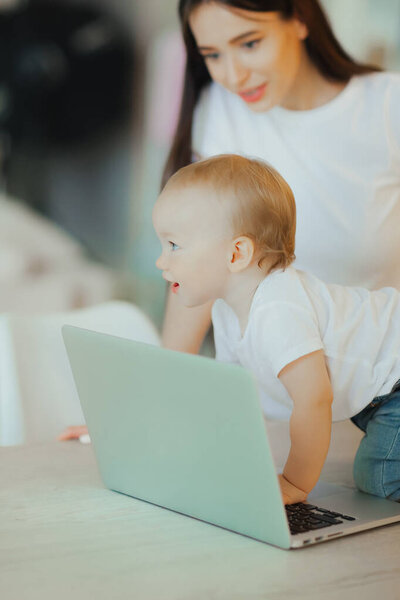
385,88
379,94
218,115
217,105
215,96
378,84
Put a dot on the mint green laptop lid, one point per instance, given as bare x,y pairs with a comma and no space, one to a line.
181,431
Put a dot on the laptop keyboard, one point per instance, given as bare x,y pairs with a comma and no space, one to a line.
307,517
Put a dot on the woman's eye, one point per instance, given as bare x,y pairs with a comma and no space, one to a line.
173,246
251,44
212,56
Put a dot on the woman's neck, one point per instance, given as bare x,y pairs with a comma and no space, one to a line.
310,88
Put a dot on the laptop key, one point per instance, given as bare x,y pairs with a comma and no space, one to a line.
314,520
329,513
319,525
299,528
330,520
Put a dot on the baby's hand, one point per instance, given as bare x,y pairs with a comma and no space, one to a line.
290,493
73,433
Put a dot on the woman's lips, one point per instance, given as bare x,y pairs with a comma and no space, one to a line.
174,287
255,94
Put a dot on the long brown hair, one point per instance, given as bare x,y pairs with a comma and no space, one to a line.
321,44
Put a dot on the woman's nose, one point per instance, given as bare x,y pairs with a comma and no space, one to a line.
235,73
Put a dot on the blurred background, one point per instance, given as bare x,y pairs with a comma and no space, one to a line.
89,96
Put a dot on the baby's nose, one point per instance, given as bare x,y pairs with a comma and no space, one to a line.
160,262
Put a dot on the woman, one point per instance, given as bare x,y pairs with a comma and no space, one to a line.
267,78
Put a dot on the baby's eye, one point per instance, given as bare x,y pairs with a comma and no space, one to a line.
173,246
251,44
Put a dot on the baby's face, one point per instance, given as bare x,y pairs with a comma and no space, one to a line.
196,238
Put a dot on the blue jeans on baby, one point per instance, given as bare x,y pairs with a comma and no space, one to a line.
377,463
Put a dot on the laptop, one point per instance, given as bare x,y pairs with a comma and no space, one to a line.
187,433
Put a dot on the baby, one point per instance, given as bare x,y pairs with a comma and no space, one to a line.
320,352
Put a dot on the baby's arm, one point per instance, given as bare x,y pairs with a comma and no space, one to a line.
307,382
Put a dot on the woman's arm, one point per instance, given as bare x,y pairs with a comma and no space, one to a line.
184,328
307,382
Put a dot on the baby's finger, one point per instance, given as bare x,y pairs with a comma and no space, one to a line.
72,433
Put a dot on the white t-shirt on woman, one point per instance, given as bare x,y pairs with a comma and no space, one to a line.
293,314
342,161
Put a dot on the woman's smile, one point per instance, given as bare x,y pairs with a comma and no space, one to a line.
254,94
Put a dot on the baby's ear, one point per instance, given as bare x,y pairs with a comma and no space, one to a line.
241,254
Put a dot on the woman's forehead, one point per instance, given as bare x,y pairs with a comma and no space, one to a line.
210,19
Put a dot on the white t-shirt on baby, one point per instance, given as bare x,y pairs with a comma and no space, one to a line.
293,314
342,161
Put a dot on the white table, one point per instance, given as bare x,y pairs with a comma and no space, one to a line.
63,536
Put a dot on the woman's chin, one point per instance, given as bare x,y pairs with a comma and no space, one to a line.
263,105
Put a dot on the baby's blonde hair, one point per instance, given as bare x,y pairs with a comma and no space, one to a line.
264,208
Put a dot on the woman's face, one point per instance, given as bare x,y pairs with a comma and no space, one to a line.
257,55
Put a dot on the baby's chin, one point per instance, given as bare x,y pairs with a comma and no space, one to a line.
190,300
194,303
